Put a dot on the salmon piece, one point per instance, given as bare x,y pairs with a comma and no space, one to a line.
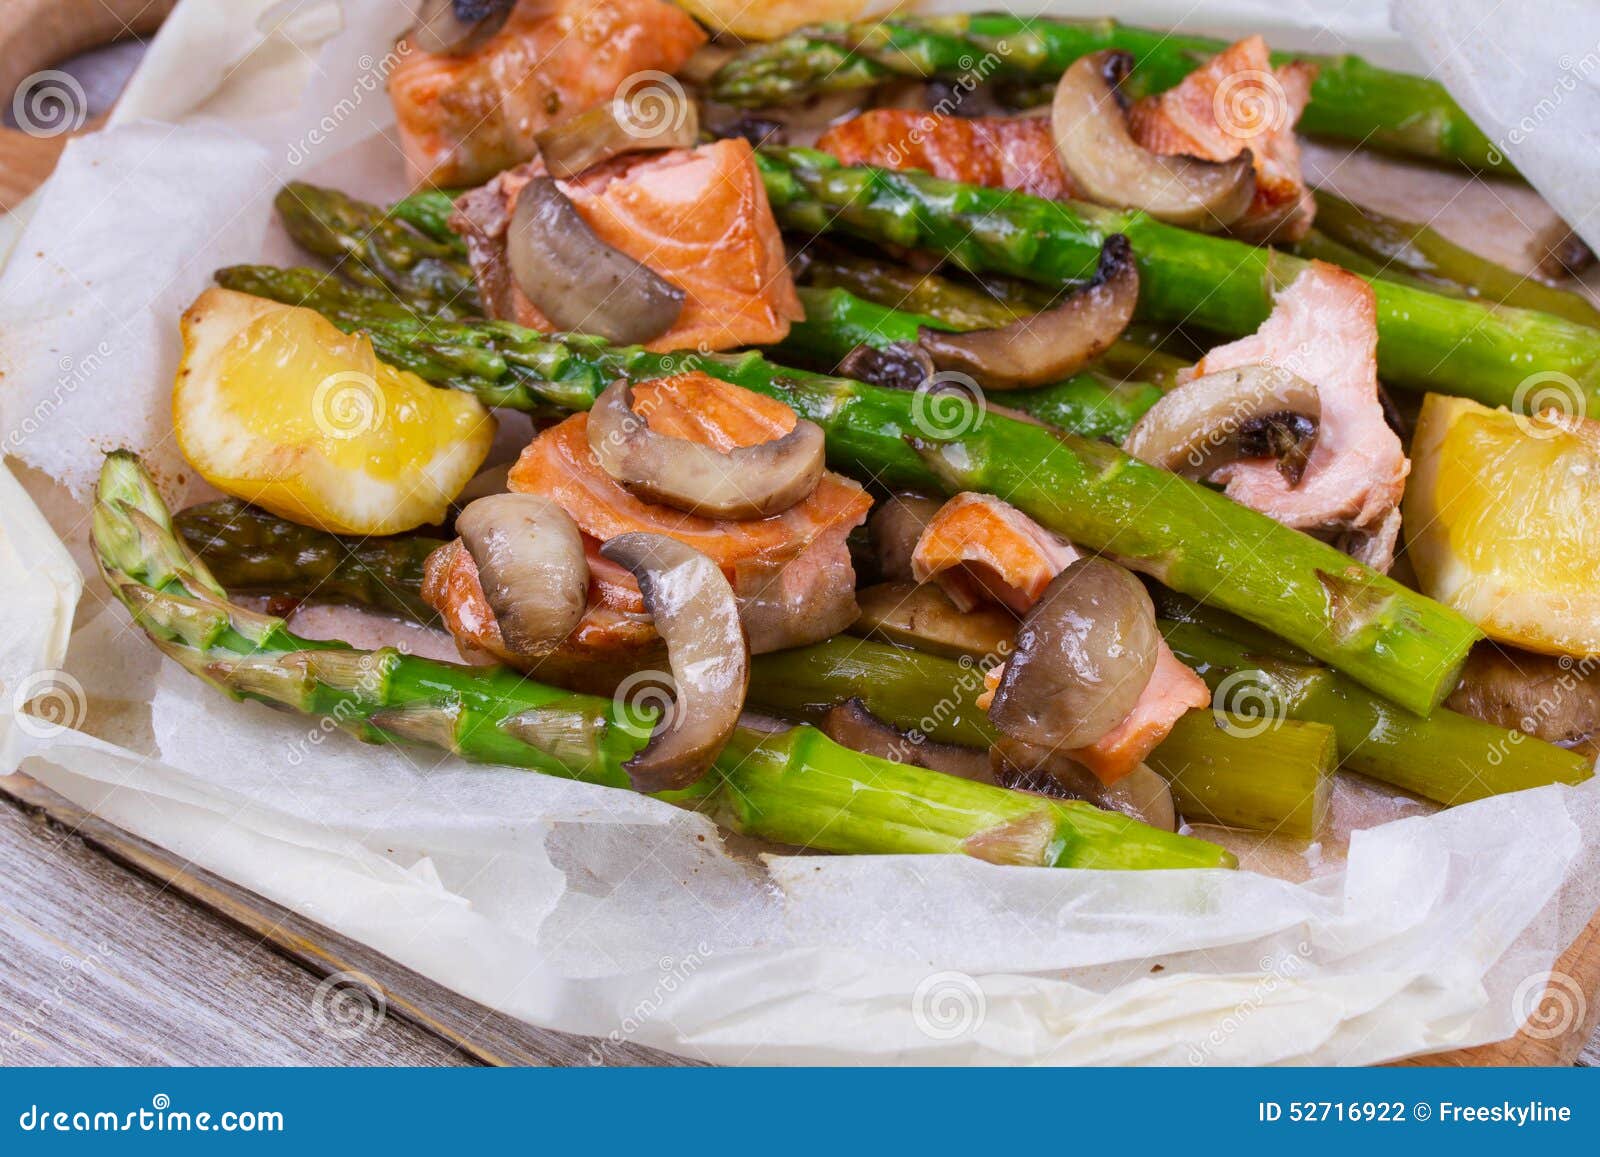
1324,328
791,572
699,217
614,638
990,547
1237,101
1019,153
464,117
998,152
980,549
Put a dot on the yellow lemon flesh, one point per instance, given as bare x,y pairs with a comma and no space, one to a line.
1502,518
276,406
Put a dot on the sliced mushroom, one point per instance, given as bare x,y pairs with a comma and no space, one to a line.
1254,411
530,562
778,613
1084,654
1103,159
923,617
695,614
615,127
851,725
578,281
896,524
453,26
745,482
1049,346
1142,794
1554,699
896,366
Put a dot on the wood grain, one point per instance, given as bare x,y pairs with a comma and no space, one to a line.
456,1024
71,902
105,967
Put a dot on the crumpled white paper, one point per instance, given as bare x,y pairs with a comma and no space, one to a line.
598,911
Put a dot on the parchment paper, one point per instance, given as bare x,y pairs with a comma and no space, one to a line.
609,914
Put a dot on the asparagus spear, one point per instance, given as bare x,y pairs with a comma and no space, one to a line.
1443,757
428,211
379,252
1448,757
795,787
251,551
1425,340
1429,256
1350,99
1238,775
1087,403
1402,645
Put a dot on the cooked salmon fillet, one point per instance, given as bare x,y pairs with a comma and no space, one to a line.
464,117
614,638
699,217
999,152
978,549
1233,102
1324,328
991,547
1237,101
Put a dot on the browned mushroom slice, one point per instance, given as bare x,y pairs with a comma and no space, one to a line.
1254,411
1099,153
922,616
1142,793
530,562
851,725
1054,344
660,117
745,482
578,281
695,614
454,26
1084,654
896,524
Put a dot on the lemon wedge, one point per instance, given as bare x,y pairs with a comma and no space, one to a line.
276,406
1502,518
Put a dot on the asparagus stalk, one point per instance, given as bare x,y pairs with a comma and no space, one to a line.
1430,257
1224,770
428,211
1400,644
936,697
253,552
1448,757
1425,340
795,786
1088,403
1350,99
378,251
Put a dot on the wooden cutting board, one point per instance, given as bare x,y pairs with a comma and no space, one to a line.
36,34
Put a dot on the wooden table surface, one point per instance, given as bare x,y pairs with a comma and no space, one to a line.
118,953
